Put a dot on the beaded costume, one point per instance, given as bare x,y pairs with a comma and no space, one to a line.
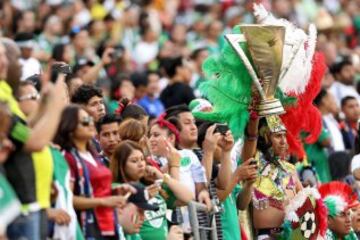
269,188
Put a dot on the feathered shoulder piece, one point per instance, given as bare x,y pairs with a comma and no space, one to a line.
337,197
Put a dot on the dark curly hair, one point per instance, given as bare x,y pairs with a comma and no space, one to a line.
84,93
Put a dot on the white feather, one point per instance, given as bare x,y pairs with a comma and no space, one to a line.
298,51
298,201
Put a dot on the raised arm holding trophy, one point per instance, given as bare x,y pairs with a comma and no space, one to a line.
266,57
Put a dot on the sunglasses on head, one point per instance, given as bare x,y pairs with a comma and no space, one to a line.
86,121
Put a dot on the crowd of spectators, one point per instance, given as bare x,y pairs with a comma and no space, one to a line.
110,150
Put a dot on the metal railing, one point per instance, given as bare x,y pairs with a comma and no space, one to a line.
202,222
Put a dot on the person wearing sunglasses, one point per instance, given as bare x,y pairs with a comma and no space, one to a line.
28,98
91,179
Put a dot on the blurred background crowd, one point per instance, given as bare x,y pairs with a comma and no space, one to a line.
129,62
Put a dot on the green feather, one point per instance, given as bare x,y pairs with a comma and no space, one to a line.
228,89
331,204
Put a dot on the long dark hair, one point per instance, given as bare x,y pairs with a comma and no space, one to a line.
68,124
58,52
119,159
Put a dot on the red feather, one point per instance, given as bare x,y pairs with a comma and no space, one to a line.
304,116
341,189
321,213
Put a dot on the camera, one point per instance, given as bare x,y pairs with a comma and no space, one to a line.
57,68
221,128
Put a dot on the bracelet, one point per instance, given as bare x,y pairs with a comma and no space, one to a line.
251,138
253,115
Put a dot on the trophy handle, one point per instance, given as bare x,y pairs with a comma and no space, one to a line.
234,40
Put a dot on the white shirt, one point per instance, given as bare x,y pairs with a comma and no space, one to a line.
191,172
336,137
340,90
145,52
236,153
355,163
87,156
30,66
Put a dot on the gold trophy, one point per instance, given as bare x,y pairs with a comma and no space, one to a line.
265,44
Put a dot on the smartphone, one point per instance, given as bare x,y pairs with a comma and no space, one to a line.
253,162
221,128
57,68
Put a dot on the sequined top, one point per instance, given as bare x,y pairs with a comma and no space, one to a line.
273,181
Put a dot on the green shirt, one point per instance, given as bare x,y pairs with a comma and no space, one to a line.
318,157
135,236
61,179
230,218
9,204
155,224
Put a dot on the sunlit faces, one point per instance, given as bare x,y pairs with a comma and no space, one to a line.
85,129
135,166
347,74
29,99
351,110
109,137
155,138
340,224
189,131
96,107
153,87
279,143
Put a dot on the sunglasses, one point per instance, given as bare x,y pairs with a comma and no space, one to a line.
31,96
87,121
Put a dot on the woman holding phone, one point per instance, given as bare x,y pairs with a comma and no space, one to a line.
129,165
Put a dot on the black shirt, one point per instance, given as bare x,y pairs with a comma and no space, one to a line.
176,94
19,168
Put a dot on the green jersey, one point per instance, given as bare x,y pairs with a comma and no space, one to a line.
230,218
135,236
318,157
155,224
9,204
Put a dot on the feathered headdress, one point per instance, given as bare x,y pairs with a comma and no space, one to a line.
229,85
337,197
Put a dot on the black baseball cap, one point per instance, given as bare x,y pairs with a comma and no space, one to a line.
141,198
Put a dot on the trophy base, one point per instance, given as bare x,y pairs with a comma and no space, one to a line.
269,107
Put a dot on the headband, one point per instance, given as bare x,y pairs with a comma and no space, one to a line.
164,123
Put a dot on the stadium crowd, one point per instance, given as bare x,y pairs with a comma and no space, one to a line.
97,135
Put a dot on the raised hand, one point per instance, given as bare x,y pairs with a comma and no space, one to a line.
247,171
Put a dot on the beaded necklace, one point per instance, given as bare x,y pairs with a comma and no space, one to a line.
275,177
